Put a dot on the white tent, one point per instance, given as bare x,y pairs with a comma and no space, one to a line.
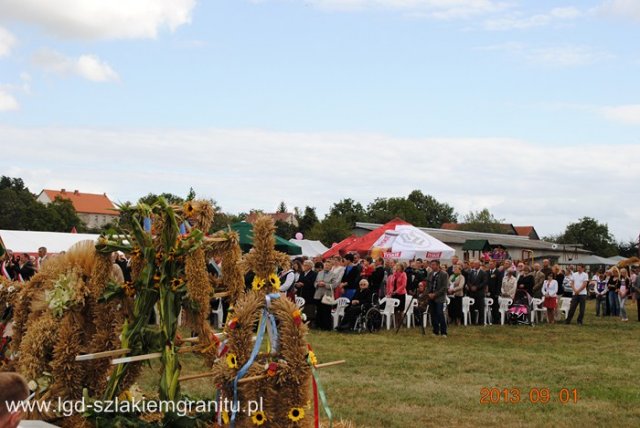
20,241
310,248
590,259
406,242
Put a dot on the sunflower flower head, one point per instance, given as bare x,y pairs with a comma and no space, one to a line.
257,283
296,414
259,418
232,361
313,360
274,281
188,209
176,283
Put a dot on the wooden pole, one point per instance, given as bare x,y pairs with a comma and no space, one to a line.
105,354
254,378
136,358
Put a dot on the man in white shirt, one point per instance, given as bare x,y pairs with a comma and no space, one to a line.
579,281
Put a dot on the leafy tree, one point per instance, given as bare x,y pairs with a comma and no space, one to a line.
434,213
331,229
482,221
307,220
628,249
382,210
282,208
285,230
593,235
169,197
349,210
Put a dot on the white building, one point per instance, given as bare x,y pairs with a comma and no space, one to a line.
94,210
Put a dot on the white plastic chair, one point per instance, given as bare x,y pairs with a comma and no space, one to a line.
300,302
467,302
409,309
338,312
565,304
537,309
218,313
390,305
504,303
488,302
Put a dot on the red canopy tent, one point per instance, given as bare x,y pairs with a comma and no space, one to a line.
335,250
363,244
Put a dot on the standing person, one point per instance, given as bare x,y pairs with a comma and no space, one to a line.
26,267
612,295
538,280
623,293
456,292
337,267
454,261
550,295
437,282
397,289
351,273
42,257
526,281
600,289
495,287
558,275
546,268
509,285
636,292
287,279
377,277
476,287
306,289
367,268
325,283
579,281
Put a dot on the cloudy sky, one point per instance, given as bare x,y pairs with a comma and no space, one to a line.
530,108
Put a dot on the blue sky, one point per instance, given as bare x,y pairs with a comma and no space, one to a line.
418,77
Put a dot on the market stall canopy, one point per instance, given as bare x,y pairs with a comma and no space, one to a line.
310,248
364,243
22,241
407,242
476,245
336,249
245,231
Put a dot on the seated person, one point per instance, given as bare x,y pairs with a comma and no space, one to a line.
361,301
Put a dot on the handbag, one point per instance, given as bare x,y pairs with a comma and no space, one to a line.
328,299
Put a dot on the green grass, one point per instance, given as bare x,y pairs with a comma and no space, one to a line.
411,380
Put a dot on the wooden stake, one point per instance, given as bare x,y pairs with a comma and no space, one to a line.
105,354
136,358
254,378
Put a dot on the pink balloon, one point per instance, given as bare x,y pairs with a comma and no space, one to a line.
299,236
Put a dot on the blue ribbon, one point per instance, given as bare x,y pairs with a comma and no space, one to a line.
273,334
147,224
183,229
243,371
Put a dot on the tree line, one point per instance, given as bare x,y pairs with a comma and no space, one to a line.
19,210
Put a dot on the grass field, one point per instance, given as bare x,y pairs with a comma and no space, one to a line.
411,380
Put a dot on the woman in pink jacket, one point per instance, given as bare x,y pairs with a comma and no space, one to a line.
397,289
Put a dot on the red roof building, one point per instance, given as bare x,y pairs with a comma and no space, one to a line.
95,210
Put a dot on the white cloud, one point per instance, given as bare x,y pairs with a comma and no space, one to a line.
627,9
438,9
100,19
629,114
7,101
7,41
552,56
245,169
89,67
517,20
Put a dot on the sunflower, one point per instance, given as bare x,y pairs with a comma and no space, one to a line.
313,360
176,283
232,361
259,418
296,414
188,209
257,283
274,281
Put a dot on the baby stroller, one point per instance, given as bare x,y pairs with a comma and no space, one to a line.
519,312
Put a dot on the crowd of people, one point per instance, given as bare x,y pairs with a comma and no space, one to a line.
363,280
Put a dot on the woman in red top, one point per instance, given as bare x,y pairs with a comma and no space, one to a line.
397,289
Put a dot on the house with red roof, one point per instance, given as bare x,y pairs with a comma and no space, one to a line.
95,210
